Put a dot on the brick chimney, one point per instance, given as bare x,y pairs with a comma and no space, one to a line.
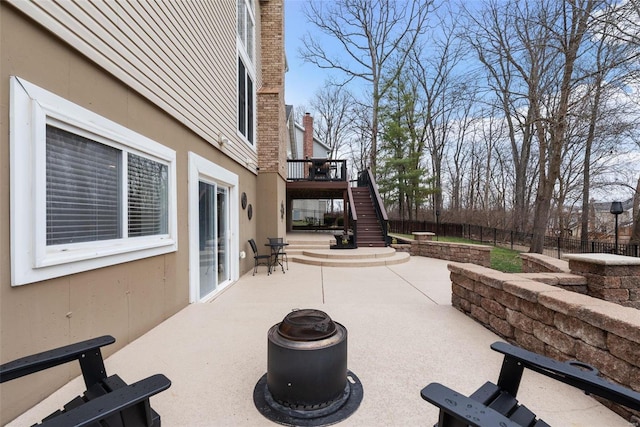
307,141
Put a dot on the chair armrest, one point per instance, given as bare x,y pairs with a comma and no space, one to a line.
111,403
463,409
576,374
86,352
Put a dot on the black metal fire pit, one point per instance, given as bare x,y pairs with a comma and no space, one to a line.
307,381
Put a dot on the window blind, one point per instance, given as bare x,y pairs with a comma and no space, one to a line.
83,189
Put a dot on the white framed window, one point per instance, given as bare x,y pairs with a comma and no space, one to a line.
85,192
246,69
246,28
246,110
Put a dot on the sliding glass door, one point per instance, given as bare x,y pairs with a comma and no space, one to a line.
214,252
213,212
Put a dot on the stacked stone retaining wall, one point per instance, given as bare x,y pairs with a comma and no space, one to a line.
555,322
457,252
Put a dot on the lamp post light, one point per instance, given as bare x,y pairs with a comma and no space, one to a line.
616,209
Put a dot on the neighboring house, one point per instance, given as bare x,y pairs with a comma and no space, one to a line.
304,145
602,221
132,135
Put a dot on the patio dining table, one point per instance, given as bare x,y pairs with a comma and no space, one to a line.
277,246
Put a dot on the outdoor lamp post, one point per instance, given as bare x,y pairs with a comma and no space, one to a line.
437,224
616,209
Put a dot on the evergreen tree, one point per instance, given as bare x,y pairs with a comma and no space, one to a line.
403,181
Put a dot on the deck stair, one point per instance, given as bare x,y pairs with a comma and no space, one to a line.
369,230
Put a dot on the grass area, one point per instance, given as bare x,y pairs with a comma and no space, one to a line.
502,259
506,260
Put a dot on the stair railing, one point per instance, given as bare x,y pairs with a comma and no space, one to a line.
353,216
366,179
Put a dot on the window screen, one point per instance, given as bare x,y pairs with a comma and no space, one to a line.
246,26
148,197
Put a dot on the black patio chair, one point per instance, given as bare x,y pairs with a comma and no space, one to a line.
108,400
259,259
496,404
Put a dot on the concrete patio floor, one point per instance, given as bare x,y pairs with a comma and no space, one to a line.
403,334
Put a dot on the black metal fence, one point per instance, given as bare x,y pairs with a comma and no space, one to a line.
553,246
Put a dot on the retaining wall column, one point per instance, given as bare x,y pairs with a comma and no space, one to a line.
614,278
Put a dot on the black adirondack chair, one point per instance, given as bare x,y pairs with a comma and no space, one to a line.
496,404
108,400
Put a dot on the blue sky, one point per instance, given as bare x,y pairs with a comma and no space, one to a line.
302,80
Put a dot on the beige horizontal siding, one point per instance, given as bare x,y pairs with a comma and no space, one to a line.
179,55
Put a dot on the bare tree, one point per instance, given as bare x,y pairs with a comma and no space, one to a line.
371,33
538,43
621,22
299,111
493,36
332,105
635,232
445,93
458,157
358,144
605,69
569,28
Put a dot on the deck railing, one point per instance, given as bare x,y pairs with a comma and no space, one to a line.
317,170
353,217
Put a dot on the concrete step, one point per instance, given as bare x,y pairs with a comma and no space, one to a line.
298,245
359,253
361,257
298,250
311,245
326,239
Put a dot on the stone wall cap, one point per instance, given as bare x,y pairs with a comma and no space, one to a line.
457,245
555,277
423,233
603,259
458,266
621,321
567,302
560,265
535,256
